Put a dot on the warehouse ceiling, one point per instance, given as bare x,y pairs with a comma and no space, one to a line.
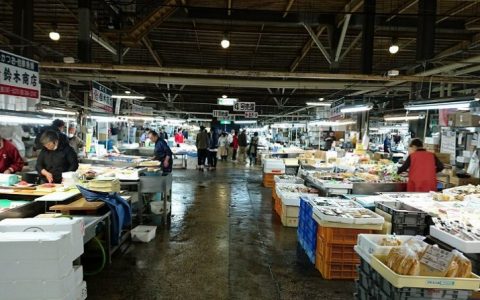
282,53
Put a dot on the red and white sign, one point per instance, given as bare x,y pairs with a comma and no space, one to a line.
19,76
251,114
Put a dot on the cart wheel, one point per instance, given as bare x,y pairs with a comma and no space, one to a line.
169,220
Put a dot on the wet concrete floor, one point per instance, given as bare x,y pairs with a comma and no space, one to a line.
225,242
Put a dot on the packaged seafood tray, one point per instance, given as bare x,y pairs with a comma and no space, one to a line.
346,203
288,179
456,241
348,215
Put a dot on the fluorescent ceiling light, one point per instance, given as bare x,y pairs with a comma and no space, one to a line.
225,43
54,35
128,92
403,118
357,108
318,104
7,119
104,119
321,99
141,118
332,123
58,112
139,97
393,49
199,120
439,105
227,101
245,122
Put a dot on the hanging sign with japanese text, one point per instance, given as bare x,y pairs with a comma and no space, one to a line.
244,106
336,108
220,113
102,97
141,110
251,114
18,76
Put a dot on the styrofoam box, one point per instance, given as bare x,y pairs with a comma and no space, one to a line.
78,273
39,289
273,166
76,226
369,243
81,291
36,269
461,245
143,233
34,245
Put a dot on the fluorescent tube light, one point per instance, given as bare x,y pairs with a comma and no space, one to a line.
199,120
332,123
141,118
139,97
403,118
7,119
227,101
58,112
357,108
461,104
245,122
104,119
318,104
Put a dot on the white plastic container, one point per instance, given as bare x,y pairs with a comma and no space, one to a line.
461,245
274,166
143,233
370,243
76,226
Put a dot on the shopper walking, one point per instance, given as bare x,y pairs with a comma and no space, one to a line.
387,144
179,137
234,146
422,167
252,149
213,150
242,147
202,146
222,146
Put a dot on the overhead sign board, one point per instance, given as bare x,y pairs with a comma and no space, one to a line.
227,118
336,108
251,114
226,101
141,110
19,76
244,106
102,97
220,113
225,122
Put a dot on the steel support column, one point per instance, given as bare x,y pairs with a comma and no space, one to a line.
23,26
368,36
427,10
84,41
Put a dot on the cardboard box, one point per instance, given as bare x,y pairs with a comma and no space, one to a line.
431,147
463,181
466,119
444,158
451,120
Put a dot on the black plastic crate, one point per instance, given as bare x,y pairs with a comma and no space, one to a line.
362,293
402,213
402,229
365,267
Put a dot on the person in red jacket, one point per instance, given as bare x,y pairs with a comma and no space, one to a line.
10,159
234,145
179,137
423,167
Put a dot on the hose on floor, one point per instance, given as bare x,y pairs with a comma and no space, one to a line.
104,259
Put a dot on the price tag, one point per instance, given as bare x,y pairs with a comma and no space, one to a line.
437,258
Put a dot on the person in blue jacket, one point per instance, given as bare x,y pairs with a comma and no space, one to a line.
162,151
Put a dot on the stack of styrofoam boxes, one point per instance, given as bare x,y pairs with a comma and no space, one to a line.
36,259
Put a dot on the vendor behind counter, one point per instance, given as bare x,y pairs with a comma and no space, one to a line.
10,159
56,157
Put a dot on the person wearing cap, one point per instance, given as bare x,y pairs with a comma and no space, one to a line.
10,159
202,143
422,168
75,142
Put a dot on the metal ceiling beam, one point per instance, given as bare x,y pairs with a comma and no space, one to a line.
287,9
148,44
342,37
229,7
401,9
352,45
279,104
456,11
98,69
305,49
319,44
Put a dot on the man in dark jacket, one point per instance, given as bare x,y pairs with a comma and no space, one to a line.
202,143
162,151
58,126
242,147
55,158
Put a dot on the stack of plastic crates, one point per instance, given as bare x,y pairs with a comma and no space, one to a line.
405,220
307,229
335,256
372,286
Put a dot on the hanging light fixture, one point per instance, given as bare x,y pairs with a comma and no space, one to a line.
225,43
54,34
393,49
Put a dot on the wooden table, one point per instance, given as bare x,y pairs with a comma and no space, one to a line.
80,205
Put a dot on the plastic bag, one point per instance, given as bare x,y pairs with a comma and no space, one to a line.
474,167
460,267
403,261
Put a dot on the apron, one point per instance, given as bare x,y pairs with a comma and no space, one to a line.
422,174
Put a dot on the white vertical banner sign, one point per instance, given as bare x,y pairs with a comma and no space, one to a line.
102,97
19,76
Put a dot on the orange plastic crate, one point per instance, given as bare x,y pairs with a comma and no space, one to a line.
345,236
274,194
268,180
278,205
334,270
333,253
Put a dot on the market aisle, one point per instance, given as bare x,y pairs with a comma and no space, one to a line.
225,243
